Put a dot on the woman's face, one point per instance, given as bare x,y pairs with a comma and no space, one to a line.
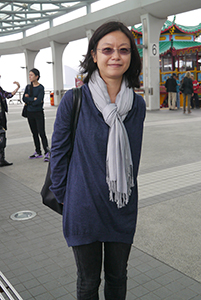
113,66
32,77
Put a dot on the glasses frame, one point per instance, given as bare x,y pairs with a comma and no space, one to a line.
115,49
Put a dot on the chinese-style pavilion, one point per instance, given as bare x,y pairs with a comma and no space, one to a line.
179,50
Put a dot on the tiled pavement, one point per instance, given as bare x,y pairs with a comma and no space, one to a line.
34,256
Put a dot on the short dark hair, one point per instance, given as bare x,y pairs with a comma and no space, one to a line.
88,66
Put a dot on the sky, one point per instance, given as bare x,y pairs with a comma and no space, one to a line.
11,65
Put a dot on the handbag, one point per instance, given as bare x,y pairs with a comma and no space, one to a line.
48,197
24,111
2,137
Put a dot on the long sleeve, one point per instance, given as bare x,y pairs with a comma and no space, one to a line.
61,144
38,94
4,94
25,99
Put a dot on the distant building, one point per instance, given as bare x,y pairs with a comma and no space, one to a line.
69,77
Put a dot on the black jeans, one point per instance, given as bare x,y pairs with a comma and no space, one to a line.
37,125
2,151
89,263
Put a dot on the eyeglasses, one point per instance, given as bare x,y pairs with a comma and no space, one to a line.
109,51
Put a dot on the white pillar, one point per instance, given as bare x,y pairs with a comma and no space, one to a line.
29,59
151,79
57,52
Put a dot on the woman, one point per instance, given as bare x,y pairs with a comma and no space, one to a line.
187,89
3,122
99,191
33,97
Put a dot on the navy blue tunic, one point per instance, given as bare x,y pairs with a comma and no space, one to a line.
88,214
38,92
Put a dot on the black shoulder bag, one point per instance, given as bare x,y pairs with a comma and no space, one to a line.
24,110
48,197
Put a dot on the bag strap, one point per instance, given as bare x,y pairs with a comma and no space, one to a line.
77,100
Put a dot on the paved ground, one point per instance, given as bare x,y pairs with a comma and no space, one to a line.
165,261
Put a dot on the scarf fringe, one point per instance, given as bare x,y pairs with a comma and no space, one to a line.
121,199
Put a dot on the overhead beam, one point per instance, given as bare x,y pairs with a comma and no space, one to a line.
128,12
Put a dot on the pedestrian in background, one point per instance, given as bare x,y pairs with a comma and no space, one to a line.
99,191
171,86
3,121
178,92
187,87
194,96
34,98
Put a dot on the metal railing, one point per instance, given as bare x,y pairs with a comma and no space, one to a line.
7,291
17,98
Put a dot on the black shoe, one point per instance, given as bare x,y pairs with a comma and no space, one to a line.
4,163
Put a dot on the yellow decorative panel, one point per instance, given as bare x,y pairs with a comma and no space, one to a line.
184,38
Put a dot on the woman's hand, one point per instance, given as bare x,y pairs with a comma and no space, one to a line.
18,86
16,82
26,95
35,98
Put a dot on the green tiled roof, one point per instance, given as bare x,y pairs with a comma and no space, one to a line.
165,46
185,29
137,29
168,24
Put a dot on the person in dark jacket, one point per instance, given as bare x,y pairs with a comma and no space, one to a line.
187,88
99,192
171,86
3,121
34,98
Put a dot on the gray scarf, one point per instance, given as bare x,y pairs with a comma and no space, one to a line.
119,166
